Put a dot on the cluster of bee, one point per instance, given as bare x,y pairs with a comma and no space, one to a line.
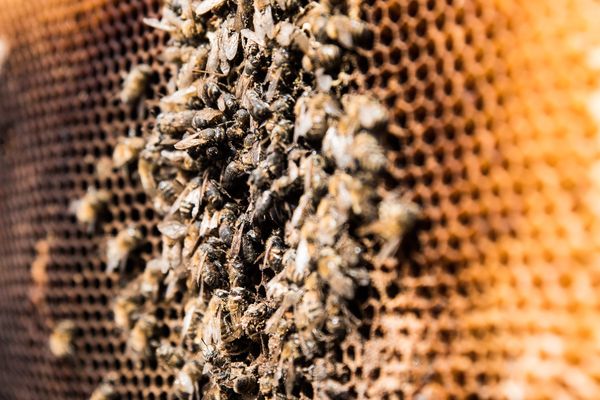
268,174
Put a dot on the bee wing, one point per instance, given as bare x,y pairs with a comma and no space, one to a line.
230,45
251,35
172,229
263,23
156,24
192,140
208,5
190,186
237,241
187,319
180,97
212,63
290,298
273,78
209,115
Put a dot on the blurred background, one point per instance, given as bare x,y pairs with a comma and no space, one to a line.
496,134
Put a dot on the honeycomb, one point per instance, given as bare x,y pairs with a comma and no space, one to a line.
496,110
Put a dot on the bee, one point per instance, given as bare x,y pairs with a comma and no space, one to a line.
209,92
61,339
208,264
280,60
105,391
171,356
330,267
191,240
90,207
312,169
181,98
313,115
145,170
238,274
141,336
104,167
363,112
279,132
173,233
254,319
213,195
346,31
174,123
126,310
186,384
194,311
168,191
237,302
245,385
206,6
135,84
226,224
303,261
337,147
203,138
368,152
127,150
396,217
196,60
325,56
206,117
120,247
274,250
152,277
251,244
258,109
39,274
233,173
228,104
180,159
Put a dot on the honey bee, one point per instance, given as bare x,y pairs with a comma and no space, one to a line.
61,339
208,264
346,31
126,309
145,170
90,207
194,311
363,112
313,115
173,233
245,385
105,391
237,303
274,250
368,152
141,336
186,384
174,123
303,263
172,356
325,56
396,217
104,167
135,84
180,159
331,269
258,109
152,278
127,150
206,117
254,320
120,247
